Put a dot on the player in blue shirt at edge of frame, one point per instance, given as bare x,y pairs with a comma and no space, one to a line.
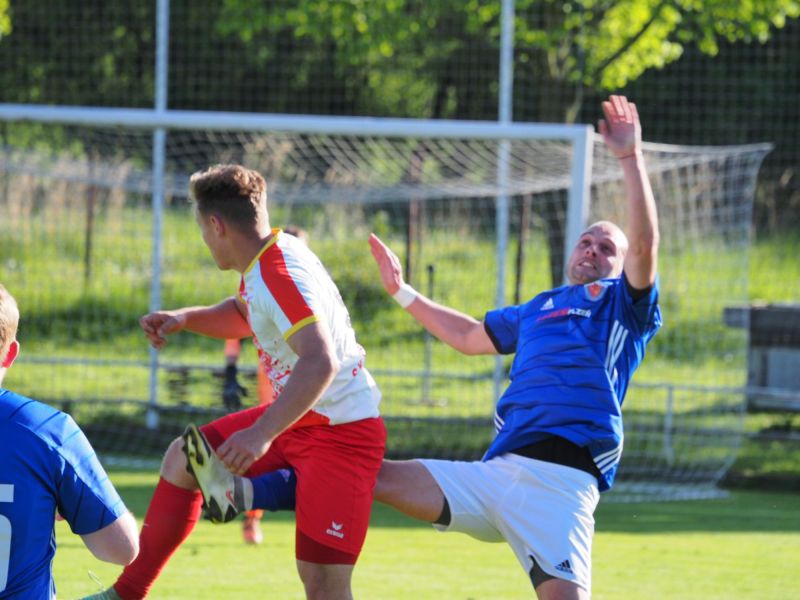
48,465
559,422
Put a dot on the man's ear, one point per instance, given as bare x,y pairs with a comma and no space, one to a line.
11,355
218,224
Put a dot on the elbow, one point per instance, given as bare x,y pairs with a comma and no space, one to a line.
116,543
122,547
469,351
123,553
329,365
645,245
129,554
655,240
474,341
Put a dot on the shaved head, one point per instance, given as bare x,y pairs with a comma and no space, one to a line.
611,229
599,253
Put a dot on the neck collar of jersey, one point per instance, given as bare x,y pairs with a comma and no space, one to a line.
273,238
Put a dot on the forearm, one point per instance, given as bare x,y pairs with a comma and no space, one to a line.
642,226
310,377
223,320
456,329
460,331
642,222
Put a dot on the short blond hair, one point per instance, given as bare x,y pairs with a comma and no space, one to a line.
9,320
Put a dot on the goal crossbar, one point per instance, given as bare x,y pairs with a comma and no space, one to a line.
330,125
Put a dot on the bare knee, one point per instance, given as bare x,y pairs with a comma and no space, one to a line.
173,466
326,582
560,589
408,486
390,479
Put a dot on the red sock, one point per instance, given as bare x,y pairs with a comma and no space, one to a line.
170,518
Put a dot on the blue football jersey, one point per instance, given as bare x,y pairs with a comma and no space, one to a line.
46,464
576,348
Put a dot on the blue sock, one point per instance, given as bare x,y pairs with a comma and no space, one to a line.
275,491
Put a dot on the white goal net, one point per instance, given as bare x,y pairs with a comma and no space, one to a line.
96,229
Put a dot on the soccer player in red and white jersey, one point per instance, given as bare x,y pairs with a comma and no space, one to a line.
232,392
324,423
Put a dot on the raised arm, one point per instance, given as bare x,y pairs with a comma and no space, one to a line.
622,134
463,332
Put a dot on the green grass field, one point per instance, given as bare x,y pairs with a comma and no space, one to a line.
744,546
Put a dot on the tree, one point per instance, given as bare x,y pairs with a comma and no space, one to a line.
604,45
402,62
399,57
5,19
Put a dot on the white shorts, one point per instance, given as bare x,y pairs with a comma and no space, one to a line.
545,511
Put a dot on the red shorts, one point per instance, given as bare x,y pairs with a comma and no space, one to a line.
336,468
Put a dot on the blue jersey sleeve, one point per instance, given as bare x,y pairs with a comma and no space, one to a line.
86,497
642,312
502,326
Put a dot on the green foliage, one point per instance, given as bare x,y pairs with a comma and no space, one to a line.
398,57
110,57
366,38
600,45
770,458
5,19
607,45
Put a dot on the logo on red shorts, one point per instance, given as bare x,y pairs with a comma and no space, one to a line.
335,530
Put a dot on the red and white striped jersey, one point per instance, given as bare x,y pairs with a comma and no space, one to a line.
285,288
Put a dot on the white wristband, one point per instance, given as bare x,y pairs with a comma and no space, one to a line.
405,295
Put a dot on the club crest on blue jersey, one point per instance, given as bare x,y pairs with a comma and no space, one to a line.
595,290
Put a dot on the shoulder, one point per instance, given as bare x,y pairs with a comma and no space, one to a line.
633,295
52,427
38,432
285,259
27,412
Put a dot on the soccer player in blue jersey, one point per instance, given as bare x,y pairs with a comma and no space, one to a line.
47,465
559,422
